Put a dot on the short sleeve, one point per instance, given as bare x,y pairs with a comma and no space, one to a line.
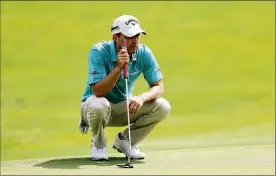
96,67
152,72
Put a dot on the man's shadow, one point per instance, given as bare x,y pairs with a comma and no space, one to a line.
75,163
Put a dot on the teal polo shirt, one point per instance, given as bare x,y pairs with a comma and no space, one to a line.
102,59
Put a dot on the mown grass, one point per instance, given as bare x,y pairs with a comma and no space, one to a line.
217,59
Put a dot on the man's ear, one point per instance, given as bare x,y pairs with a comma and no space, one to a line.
115,37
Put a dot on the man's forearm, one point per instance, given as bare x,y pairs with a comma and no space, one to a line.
153,93
107,84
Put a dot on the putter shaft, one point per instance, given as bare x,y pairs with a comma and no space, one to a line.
128,119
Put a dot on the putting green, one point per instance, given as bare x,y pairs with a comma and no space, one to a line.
226,160
218,62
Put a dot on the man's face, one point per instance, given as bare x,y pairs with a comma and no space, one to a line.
132,42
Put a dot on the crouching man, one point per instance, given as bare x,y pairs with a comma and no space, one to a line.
104,99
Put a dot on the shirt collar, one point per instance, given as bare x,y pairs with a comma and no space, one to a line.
114,53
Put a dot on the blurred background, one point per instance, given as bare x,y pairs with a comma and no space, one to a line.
217,58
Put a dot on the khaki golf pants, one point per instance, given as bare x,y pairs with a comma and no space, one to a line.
99,113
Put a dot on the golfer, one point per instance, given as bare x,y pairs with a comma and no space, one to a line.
104,98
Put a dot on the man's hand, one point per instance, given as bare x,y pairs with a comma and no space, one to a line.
135,104
123,58
83,126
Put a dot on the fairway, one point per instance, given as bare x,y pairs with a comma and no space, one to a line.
218,63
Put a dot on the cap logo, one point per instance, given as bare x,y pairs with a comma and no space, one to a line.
132,21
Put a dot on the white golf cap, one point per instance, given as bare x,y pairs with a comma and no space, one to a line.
127,25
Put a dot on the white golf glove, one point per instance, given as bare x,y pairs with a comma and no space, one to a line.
83,126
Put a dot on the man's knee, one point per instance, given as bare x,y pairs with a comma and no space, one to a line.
97,107
162,108
164,105
97,103
156,111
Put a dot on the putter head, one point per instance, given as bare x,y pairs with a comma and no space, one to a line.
127,165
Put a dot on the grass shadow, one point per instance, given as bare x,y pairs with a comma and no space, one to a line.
75,163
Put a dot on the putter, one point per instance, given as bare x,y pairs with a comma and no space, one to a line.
128,164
